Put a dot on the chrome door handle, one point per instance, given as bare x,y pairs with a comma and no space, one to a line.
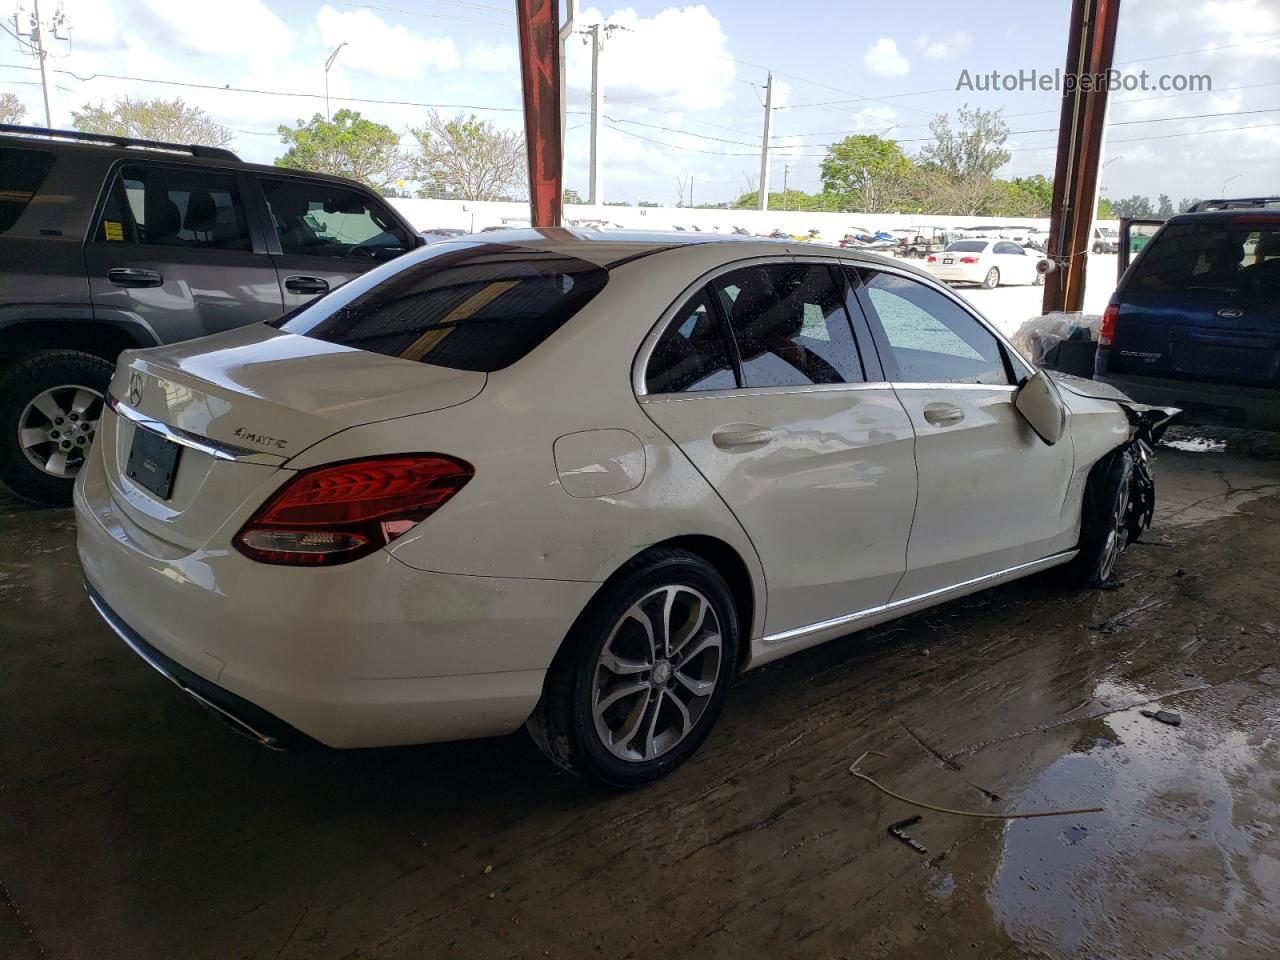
134,277
744,435
306,284
943,414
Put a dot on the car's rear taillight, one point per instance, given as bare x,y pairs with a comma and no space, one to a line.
932,259
1107,330
968,259
343,511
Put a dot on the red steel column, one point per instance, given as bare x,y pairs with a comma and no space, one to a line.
1090,44
538,23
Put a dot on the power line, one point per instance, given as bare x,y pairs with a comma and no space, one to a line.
1166,136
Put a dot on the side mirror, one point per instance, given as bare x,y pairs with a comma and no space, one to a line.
1041,406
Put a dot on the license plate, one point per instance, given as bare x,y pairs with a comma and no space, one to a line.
948,260
153,461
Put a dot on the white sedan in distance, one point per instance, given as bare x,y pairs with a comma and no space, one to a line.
987,263
577,481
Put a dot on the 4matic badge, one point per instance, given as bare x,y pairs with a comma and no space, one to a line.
260,438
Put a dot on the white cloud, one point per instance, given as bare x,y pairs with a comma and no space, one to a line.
680,53
492,57
374,46
884,59
221,29
944,46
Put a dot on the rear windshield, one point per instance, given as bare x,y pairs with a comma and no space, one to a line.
1229,257
967,246
21,173
481,307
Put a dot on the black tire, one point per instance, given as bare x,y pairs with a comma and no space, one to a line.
22,382
1097,248
564,725
1105,522
992,279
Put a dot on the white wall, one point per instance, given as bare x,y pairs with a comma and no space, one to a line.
476,215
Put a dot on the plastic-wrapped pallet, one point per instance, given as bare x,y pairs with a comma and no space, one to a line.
1060,341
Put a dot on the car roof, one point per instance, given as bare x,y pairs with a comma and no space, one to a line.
612,248
1246,214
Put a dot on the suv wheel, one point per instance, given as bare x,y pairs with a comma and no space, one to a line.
50,403
644,674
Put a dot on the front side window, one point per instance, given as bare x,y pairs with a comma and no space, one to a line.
320,220
174,207
21,173
790,326
692,353
932,338
474,308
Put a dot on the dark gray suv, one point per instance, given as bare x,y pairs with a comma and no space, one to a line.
108,243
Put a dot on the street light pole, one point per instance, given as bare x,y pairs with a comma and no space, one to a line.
327,64
1223,192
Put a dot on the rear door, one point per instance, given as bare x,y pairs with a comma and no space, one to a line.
991,491
176,247
1203,302
321,235
758,377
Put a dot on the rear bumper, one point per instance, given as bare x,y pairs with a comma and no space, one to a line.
367,654
1203,401
957,274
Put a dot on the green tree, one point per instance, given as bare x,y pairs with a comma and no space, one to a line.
347,146
1165,210
12,109
1134,206
1105,209
1187,203
869,171
967,157
173,120
1037,190
472,157
572,196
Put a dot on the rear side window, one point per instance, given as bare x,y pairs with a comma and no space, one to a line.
21,173
174,207
692,353
480,308
790,325
1231,259
321,220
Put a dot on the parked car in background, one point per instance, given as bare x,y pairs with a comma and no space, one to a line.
341,526
1106,240
918,242
987,263
108,243
436,234
1195,320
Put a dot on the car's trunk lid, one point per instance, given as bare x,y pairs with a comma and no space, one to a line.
243,403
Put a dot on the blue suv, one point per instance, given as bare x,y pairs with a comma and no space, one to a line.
1195,320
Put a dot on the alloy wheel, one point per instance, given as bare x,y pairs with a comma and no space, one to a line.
656,673
57,428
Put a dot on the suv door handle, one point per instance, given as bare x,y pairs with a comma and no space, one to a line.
306,285
942,414
134,277
744,435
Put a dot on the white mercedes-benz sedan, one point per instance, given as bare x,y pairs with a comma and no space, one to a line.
577,481
988,263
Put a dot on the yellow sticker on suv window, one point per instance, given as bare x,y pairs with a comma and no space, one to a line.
113,229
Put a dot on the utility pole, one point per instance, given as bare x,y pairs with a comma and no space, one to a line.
597,114
691,190
35,45
764,146
566,31
786,172
327,64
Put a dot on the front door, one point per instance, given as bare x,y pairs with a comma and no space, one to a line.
322,235
991,492
173,248
759,379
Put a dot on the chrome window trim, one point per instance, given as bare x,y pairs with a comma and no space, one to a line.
213,448
763,391
945,385
797,632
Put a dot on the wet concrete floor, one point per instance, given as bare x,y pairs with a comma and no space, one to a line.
134,826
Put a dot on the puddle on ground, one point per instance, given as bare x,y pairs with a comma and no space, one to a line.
1173,862
1197,445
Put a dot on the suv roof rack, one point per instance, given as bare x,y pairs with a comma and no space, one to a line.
1242,203
194,149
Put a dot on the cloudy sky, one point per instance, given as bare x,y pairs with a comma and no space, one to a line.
684,84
